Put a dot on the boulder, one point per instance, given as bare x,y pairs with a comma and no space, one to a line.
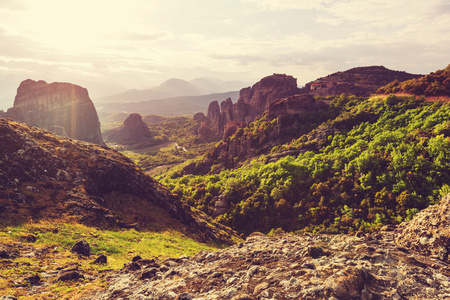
101,260
70,276
82,248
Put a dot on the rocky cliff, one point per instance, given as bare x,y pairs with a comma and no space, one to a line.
44,176
62,108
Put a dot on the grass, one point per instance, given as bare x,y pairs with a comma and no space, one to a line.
139,155
54,240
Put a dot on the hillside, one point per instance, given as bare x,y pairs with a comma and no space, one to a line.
379,161
360,81
47,177
434,84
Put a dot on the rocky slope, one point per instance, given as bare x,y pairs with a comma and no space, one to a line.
43,176
289,267
62,108
428,233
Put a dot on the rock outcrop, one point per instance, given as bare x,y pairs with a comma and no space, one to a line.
62,108
302,266
428,232
133,131
44,176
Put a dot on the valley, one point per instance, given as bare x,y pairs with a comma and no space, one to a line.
334,190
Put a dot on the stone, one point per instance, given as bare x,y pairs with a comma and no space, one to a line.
33,279
347,283
136,258
82,248
101,260
131,267
4,253
184,296
315,252
148,273
70,276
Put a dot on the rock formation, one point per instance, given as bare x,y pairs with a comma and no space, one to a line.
291,115
252,103
44,176
133,131
62,108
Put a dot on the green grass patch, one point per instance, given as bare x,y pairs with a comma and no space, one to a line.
54,241
119,246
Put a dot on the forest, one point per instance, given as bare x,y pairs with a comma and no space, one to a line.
378,161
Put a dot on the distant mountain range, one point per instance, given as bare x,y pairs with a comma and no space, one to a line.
174,106
175,88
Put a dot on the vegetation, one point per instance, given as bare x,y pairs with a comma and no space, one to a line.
379,161
179,131
54,240
434,84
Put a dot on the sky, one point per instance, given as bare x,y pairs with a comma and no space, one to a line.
115,45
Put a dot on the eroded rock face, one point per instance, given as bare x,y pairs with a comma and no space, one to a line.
62,108
133,131
289,267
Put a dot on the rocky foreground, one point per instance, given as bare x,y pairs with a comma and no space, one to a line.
409,261
290,267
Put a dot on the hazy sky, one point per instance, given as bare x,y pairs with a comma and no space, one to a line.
110,46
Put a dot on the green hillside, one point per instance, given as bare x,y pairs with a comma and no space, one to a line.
379,161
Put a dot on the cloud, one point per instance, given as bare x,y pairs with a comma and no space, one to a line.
11,5
241,60
288,4
135,36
